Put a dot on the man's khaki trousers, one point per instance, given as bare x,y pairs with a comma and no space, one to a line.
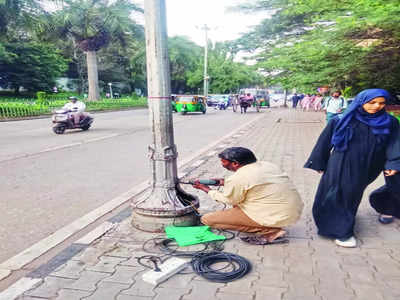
236,219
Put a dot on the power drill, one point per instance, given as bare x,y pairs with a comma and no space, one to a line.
202,181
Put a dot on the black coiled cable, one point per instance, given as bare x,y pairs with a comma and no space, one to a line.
237,266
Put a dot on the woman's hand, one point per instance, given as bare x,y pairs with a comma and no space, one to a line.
199,186
389,172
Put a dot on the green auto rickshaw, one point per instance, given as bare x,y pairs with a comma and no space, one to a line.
190,103
173,103
262,98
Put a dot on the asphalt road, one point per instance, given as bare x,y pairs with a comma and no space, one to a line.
47,181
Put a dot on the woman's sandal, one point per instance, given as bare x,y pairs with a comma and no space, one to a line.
385,220
259,240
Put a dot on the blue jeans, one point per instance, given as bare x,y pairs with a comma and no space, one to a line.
330,116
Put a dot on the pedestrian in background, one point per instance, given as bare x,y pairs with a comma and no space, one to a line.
350,153
317,102
334,105
306,102
295,100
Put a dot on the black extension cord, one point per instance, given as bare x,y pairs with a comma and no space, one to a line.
237,266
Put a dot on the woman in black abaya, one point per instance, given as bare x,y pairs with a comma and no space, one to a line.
351,152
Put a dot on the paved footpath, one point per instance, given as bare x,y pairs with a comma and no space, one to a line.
309,267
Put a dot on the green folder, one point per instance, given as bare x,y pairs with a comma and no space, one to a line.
191,235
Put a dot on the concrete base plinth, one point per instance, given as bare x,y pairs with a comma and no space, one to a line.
151,223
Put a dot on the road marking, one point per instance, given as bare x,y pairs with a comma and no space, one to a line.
63,147
182,174
4,273
96,233
56,148
212,153
41,247
222,146
197,163
19,288
104,137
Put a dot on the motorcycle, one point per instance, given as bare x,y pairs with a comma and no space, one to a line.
221,105
63,120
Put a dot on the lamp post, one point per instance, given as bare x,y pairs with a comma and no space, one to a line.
165,203
205,76
111,93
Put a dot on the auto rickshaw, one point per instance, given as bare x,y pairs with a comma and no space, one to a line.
190,103
173,103
262,98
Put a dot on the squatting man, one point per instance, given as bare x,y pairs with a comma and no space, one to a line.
263,198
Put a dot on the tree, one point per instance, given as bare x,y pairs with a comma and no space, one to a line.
226,75
31,65
337,42
184,56
17,16
93,24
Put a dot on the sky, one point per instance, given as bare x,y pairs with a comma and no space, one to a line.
186,17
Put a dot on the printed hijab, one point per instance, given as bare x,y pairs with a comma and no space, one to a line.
380,122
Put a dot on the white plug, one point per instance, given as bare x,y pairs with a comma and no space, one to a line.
168,268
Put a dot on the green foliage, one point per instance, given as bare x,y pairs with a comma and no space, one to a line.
341,43
185,57
31,65
226,75
41,98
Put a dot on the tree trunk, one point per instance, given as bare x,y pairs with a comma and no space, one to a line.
285,101
93,76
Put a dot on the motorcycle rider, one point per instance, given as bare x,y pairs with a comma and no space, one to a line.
76,108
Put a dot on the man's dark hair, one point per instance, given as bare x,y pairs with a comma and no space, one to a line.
339,92
240,155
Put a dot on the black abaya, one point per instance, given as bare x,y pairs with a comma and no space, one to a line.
386,199
347,174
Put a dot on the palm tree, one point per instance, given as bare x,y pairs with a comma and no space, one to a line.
93,24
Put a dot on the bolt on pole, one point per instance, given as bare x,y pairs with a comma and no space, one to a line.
165,203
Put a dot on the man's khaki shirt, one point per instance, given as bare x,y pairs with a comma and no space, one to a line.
264,193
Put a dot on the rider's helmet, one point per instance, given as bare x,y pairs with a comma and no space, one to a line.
73,99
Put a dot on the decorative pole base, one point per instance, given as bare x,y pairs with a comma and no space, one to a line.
162,207
157,224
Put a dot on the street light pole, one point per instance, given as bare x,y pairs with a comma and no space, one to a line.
205,75
165,203
111,93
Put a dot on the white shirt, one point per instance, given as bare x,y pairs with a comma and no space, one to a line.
334,105
78,106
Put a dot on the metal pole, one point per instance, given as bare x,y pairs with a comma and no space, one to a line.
205,84
165,203
111,93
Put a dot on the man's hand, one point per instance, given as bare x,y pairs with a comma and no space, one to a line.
199,186
389,172
220,181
